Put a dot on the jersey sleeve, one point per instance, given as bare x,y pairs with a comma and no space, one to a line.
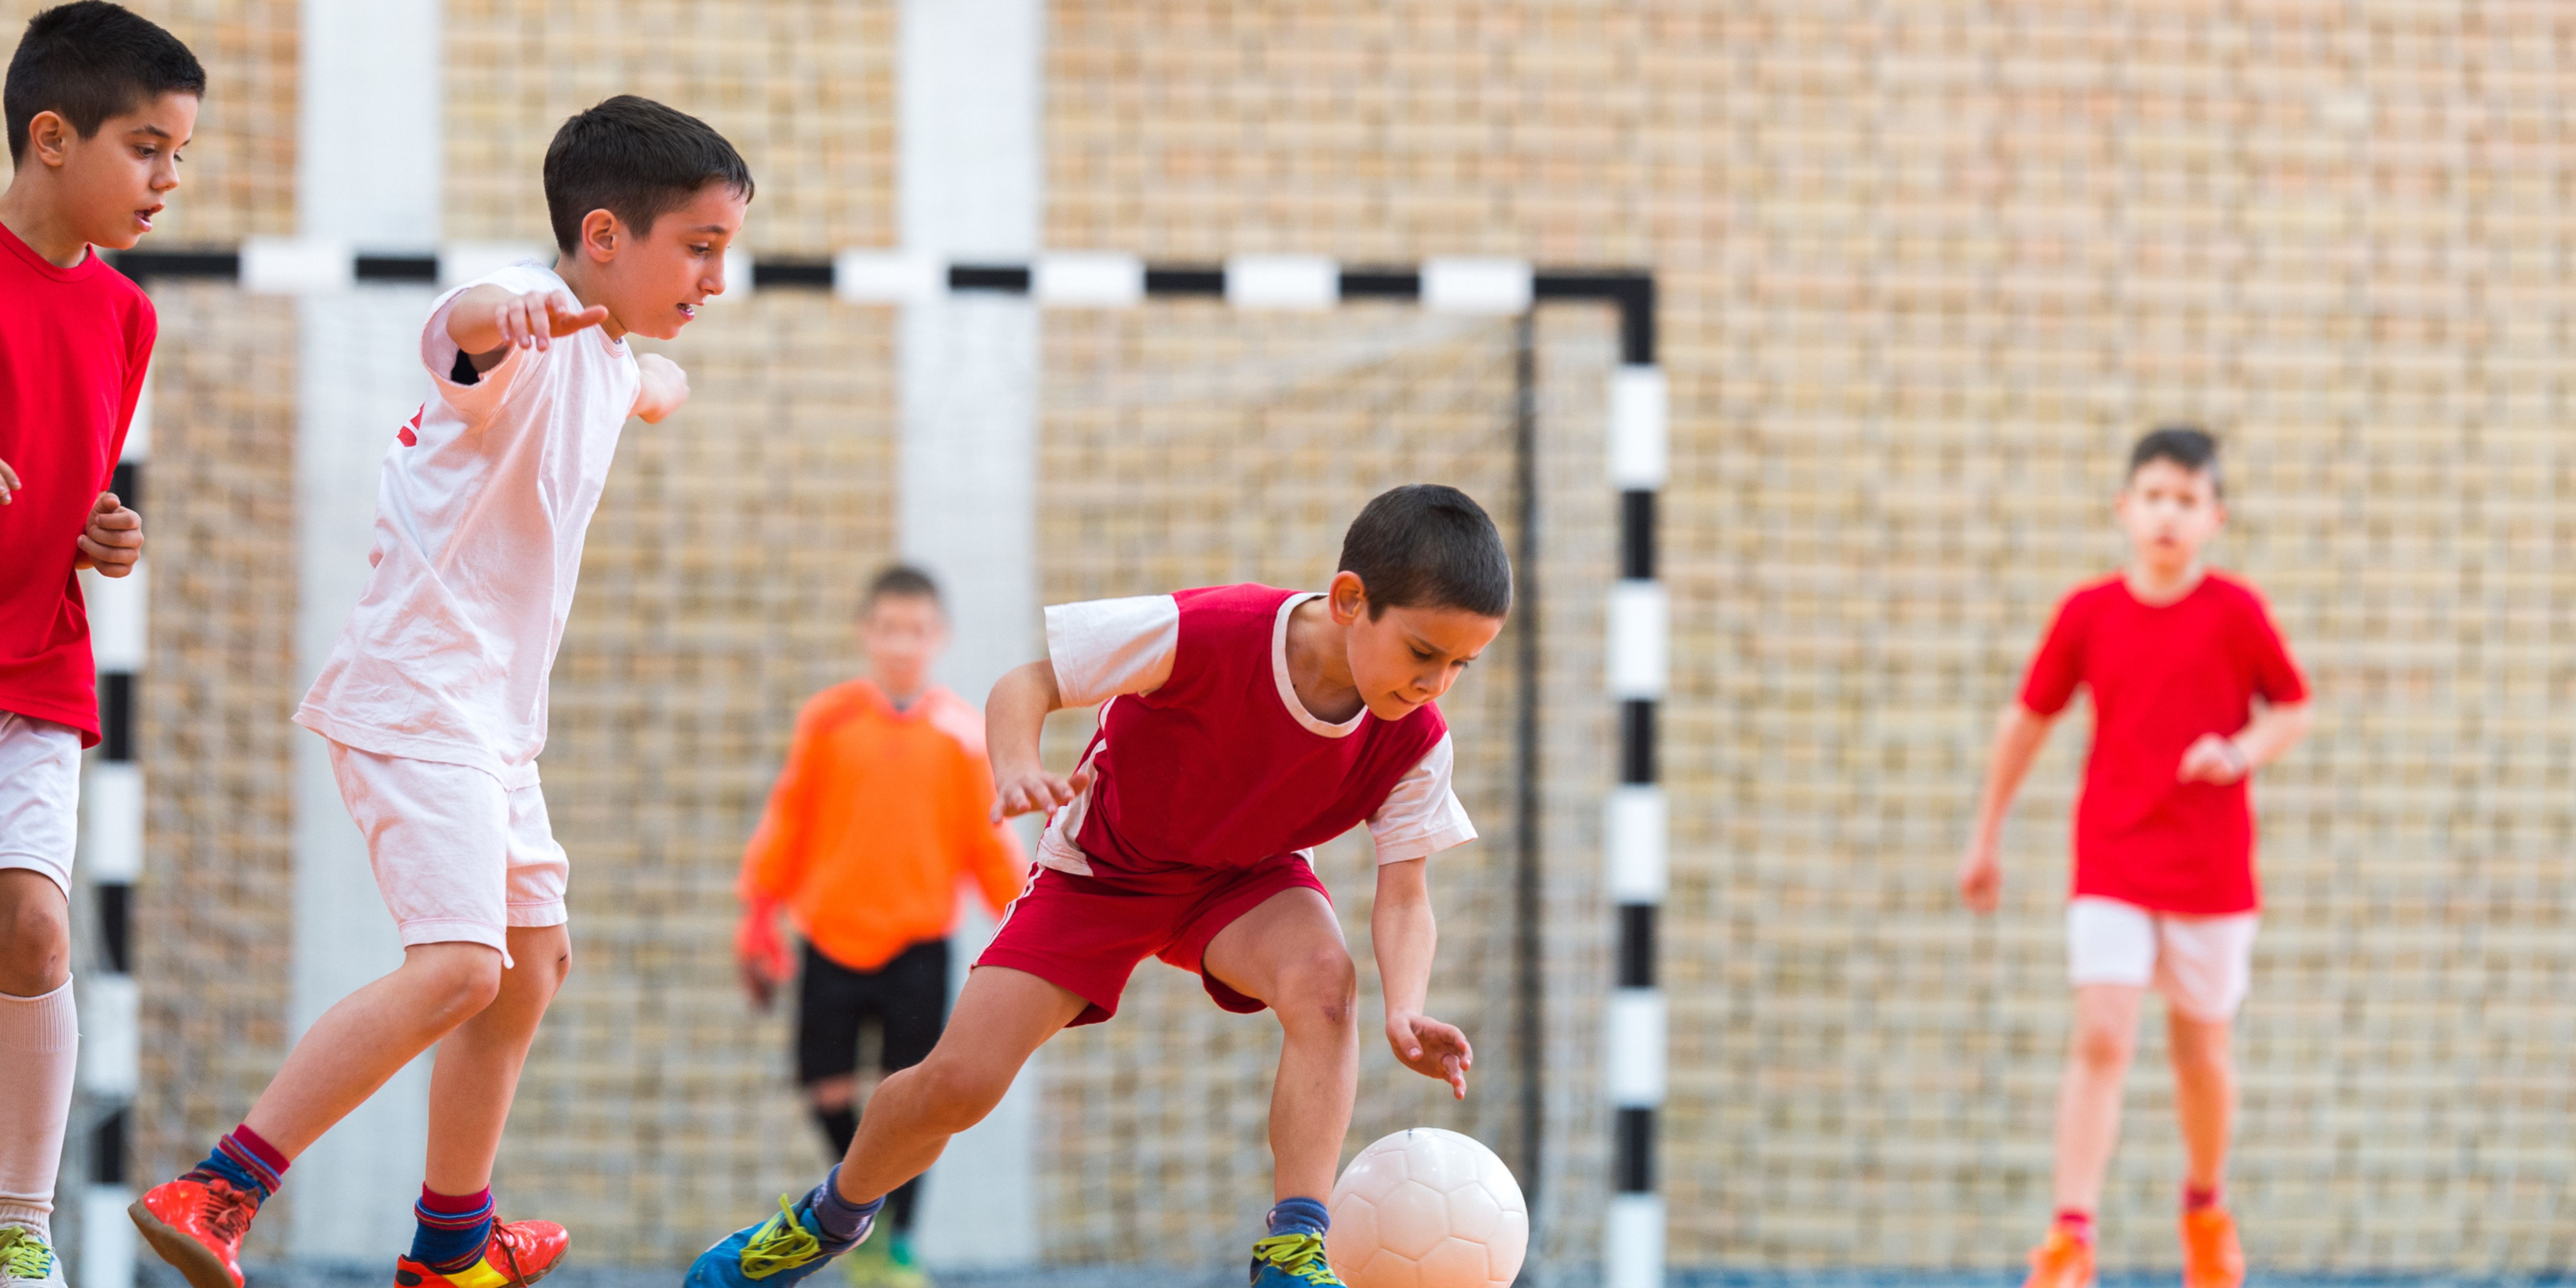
474,399
1422,814
2059,665
1102,648
2276,676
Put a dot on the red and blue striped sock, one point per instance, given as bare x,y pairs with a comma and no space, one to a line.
251,1165
453,1229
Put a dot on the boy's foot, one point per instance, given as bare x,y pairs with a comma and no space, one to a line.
2060,1261
196,1223
519,1253
775,1253
27,1261
1292,1261
2211,1256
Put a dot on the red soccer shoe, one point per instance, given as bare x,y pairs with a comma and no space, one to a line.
519,1253
197,1226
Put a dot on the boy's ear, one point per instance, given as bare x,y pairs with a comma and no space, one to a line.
49,138
1347,597
601,234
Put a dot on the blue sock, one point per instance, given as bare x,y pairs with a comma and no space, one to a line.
840,1220
1300,1216
250,1165
452,1231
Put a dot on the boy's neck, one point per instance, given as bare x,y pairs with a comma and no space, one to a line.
1319,663
577,274
2157,587
32,219
900,699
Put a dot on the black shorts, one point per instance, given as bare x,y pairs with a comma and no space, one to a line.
907,996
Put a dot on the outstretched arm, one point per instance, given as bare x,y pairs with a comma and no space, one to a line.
2018,738
1405,935
1014,717
487,319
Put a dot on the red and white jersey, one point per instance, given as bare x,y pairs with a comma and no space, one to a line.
1205,756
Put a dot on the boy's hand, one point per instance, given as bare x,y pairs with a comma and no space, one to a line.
2212,759
8,482
1981,878
665,387
1432,1049
533,320
1032,790
113,540
761,952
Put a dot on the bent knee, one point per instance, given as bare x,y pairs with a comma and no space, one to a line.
1324,989
35,948
459,979
952,1097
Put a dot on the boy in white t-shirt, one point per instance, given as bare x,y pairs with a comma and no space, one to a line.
434,698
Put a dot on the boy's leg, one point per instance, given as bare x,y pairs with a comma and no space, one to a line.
1003,1017
912,1009
830,1007
1288,952
39,1031
477,1071
2204,1097
2088,1099
368,1036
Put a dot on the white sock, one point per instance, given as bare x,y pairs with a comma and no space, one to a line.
39,1040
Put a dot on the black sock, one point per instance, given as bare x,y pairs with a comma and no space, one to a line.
840,1126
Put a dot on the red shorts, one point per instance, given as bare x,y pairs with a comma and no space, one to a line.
1086,934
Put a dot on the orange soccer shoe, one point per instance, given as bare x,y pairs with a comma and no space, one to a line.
196,1223
518,1253
2211,1257
2060,1261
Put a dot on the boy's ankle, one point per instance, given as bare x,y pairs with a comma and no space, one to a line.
2076,1224
2201,1198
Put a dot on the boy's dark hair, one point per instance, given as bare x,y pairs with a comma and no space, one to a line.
1427,545
2188,446
637,160
89,61
900,581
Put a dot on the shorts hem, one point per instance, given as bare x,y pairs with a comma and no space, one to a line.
537,916
1094,1010
452,930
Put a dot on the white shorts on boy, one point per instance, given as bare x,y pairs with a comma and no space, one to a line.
39,795
2202,965
458,857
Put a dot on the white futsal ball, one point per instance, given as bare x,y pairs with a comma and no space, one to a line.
1427,1208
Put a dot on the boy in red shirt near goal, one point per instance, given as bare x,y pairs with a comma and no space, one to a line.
1240,727
2192,689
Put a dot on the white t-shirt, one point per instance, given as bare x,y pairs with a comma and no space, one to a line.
480,512
1104,648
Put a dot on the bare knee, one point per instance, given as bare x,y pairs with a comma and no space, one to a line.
832,1095
1320,992
35,937
950,1097
2103,1048
2200,1046
456,980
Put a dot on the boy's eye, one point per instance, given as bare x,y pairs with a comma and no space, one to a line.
1421,655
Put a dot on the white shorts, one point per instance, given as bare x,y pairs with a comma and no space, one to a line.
40,765
458,857
2202,965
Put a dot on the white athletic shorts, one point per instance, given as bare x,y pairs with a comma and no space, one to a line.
2202,965
39,796
458,857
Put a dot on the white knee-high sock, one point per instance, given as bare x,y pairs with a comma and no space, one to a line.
39,1040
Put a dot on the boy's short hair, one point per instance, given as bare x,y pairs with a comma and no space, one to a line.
2188,446
88,61
637,160
900,581
1426,545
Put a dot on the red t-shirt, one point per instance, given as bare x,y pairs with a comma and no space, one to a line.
2161,677
74,343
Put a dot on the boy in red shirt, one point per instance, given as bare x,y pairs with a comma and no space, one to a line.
884,803
99,102
1240,727
2192,689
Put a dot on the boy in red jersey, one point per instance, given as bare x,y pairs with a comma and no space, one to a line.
1242,726
2192,689
99,102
